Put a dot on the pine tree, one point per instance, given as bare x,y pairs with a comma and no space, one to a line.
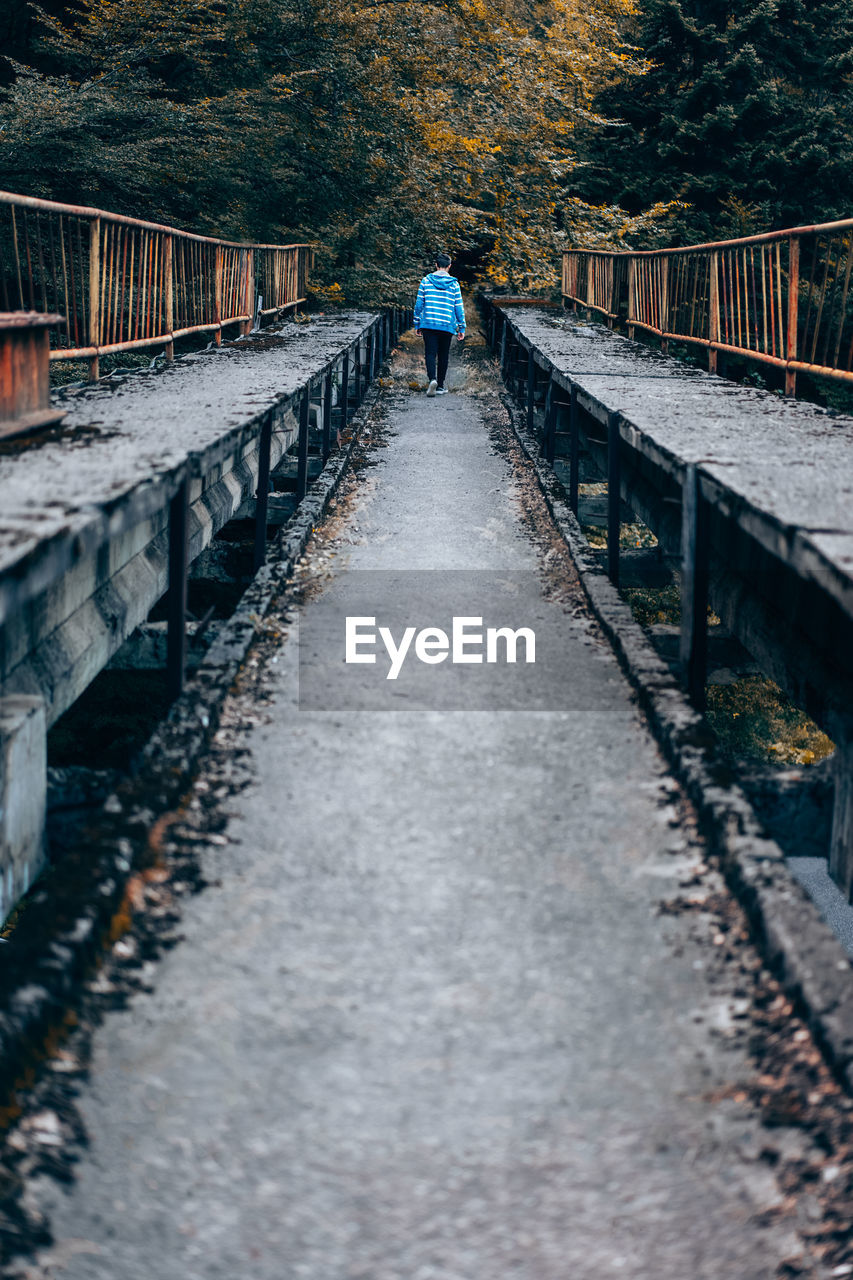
745,114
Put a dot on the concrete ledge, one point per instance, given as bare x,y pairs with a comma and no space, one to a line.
60,937
799,945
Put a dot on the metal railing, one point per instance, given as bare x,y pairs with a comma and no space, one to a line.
782,298
122,283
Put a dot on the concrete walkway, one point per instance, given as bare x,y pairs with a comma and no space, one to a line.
431,1023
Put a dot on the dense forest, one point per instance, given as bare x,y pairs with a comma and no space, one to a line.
383,128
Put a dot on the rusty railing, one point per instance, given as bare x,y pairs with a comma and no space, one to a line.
122,283
782,298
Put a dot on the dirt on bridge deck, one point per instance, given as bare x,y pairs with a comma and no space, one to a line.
462,997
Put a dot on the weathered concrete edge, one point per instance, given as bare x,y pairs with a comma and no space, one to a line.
65,929
795,940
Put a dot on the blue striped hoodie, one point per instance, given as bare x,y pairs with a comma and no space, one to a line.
439,304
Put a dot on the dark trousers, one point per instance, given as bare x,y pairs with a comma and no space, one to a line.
437,346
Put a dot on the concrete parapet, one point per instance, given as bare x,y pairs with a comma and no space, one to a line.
23,791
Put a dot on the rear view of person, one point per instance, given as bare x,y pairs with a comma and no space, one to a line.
439,314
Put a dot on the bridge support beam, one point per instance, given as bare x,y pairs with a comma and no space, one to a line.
841,843
343,390
614,480
695,545
262,496
23,795
327,416
531,388
302,446
574,450
549,433
176,646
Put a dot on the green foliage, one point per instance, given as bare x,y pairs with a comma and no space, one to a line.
382,129
753,720
745,116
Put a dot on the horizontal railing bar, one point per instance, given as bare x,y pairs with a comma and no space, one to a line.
80,353
711,246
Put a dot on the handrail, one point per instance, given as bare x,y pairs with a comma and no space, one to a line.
123,283
782,298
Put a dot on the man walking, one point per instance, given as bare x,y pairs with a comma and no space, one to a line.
439,314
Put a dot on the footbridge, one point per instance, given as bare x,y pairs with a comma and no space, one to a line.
493,968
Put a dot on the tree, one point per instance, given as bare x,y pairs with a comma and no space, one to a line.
745,115
380,128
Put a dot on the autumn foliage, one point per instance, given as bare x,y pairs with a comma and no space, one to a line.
382,129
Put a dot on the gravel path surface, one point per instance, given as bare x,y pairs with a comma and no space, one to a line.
435,1016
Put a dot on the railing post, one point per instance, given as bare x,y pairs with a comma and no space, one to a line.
614,497
714,311
168,296
262,496
504,326
217,293
664,303
94,295
302,448
793,308
632,288
694,586
246,326
176,637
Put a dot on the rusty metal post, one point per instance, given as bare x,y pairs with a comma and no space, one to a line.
246,325
614,496
302,447
94,296
168,296
25,372
664,303
262,496
574,449
694,586
632,288
176,639
714,311
217,293
793,308
327,416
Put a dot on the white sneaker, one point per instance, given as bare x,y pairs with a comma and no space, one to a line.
431,389
441,391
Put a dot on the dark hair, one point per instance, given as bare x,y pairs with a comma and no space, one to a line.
442,259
